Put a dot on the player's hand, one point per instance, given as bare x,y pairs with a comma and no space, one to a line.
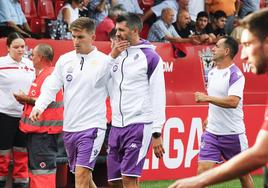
158,148
200,97
35,114
186,183
118,47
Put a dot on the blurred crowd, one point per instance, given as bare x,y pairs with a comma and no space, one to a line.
191,21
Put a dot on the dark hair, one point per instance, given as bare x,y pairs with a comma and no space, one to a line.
132,20
219,14
83,23
202,14
76,1
45,51
232,44
257,23
12,36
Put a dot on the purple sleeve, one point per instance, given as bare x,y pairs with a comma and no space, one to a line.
152,60
234,75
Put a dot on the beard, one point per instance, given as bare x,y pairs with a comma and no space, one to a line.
261,66
119,38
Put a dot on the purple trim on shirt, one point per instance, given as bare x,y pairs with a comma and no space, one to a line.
235,74
152,60
143,41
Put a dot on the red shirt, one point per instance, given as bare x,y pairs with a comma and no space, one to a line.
103,29
265,123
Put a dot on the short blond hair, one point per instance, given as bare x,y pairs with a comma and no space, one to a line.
83,23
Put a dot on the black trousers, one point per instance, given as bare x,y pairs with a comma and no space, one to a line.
10,135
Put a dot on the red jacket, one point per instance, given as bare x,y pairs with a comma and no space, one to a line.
51,120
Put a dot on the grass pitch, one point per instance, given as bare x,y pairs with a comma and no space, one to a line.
258,182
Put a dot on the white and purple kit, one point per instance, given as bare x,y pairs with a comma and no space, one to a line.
137,91
225,133
84,121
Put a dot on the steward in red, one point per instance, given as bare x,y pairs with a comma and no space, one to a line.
42,135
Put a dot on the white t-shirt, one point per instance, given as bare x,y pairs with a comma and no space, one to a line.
74,12
14,77
221,83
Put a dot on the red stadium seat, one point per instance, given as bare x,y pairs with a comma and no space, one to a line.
58,5
29,8
262,3
38,25
46,9
146,4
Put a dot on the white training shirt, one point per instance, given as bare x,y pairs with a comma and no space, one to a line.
84,104
136,87
14,77
221,83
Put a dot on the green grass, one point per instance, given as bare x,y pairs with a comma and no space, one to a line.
258,182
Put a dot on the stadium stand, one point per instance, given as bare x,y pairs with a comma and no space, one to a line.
46,9
29,8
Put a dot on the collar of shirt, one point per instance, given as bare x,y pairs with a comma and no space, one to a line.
11,60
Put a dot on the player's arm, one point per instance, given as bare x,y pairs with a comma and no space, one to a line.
235,93
49,90
158,100
225,102
243,163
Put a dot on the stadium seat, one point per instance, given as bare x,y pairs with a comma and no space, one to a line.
58,6
262,3
29,8
38,25
46,9
146,4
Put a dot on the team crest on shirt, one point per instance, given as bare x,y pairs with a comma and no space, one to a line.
115,68
136,56
69,77
225,74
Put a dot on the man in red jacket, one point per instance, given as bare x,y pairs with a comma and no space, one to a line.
42,135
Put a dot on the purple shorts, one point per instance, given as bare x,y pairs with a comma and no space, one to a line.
128,147
83,147
217,148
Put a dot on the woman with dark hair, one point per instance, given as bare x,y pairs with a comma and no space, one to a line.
16,75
